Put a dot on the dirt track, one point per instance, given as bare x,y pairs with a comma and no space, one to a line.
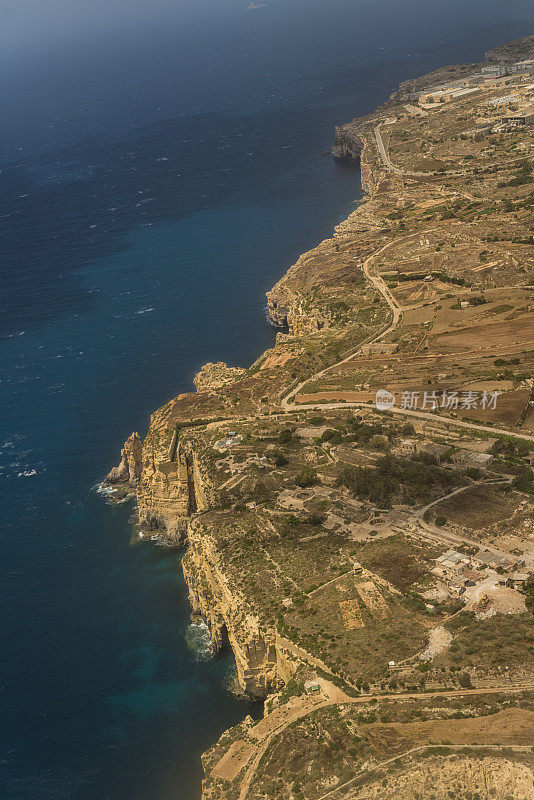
298,711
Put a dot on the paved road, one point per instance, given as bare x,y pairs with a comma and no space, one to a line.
385,158
396,315
421,415
394,410
392,168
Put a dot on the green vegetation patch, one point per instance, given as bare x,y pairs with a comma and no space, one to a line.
396,478
503,641
399,560
355,626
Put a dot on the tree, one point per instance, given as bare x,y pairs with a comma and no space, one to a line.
330,435
464,680
286,436
306,477
524,481
279,459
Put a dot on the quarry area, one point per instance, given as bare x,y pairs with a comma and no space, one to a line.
358,504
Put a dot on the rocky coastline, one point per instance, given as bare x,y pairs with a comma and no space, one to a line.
168,475
169,472
325,306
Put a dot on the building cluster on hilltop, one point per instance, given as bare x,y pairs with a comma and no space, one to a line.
516,107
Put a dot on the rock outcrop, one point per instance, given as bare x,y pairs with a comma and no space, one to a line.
288,310
213,376
163,496
130,467
263,663
277,312
173,484
347,143
518,50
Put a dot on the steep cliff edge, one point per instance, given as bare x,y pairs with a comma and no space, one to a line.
322,301
277,502
348,143
172,471
214,376
307,298
517,50
130,466
262,664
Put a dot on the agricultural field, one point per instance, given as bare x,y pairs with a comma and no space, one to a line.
370,564
342,738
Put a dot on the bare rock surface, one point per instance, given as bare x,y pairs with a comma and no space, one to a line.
130,466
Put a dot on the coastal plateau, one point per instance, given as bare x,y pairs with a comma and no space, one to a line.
371,567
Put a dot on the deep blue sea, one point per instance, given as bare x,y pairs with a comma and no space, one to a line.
160,168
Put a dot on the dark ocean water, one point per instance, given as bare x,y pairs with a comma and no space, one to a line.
157,177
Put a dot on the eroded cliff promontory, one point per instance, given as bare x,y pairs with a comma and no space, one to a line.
348,144
128,471
319,529
262,664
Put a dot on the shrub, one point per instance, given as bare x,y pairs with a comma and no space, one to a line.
286,436
306,477
524,481
472,472
279,459
464,680
315,518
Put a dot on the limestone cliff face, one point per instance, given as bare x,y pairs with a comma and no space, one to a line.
287,309
348,145
213,376
173,492
289,303
173,483
163,498
171,475
202,493
129,469
371,179
292,302
263,664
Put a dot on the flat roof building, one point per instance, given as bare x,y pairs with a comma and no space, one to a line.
520,117
518,580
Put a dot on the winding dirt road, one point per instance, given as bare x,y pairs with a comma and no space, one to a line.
297,713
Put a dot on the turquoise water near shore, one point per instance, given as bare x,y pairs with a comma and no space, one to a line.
166,180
